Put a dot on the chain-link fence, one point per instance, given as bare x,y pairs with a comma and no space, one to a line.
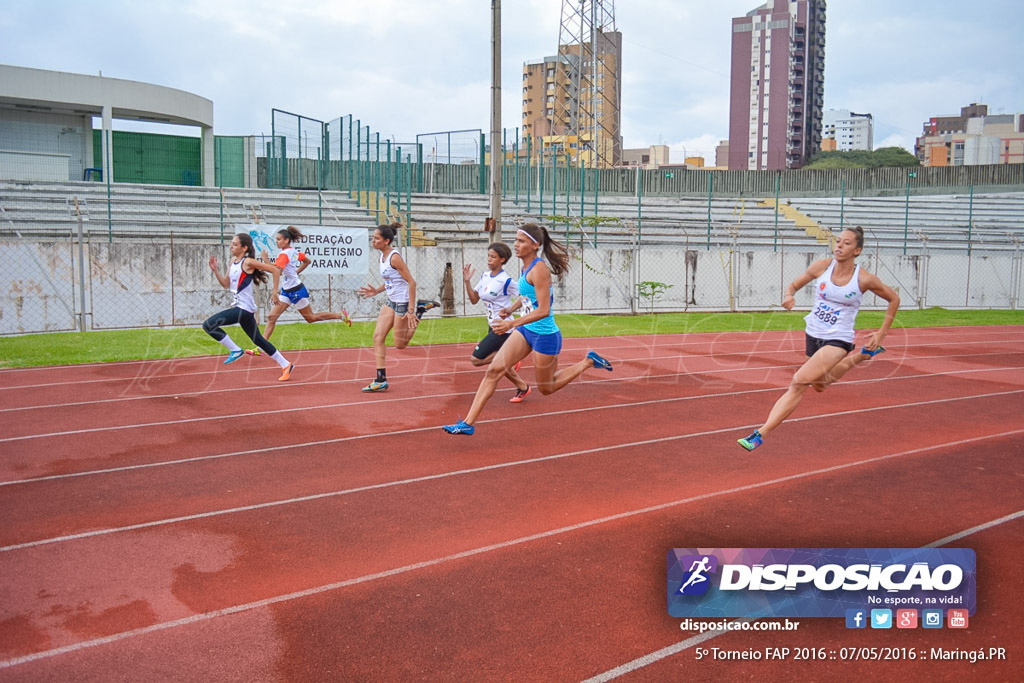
160,282
453,161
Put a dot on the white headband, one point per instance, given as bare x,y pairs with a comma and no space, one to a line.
528,235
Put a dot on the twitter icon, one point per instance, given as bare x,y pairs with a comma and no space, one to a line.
881,618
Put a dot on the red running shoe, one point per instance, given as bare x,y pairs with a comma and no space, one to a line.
520,395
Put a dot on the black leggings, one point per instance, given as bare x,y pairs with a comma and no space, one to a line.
237,316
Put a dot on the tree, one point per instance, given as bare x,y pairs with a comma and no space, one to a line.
882,157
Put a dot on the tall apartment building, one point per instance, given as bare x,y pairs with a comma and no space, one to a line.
572,101
848,129
971,139
777,85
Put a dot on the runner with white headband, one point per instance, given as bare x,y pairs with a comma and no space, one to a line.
536,330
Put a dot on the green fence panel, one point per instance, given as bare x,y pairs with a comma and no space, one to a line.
153,158
229,153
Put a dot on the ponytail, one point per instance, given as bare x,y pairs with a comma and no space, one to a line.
291,233
858,234
388,232
555,252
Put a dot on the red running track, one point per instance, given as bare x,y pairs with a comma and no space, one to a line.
184,520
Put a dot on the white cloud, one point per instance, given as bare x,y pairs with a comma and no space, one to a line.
897,140
408,66
700,146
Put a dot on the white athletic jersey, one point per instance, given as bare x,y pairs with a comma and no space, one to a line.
835,308
241,287
288,261
395,285
497,292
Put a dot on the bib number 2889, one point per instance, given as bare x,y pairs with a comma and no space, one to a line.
826,317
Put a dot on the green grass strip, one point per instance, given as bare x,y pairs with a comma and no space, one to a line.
68,348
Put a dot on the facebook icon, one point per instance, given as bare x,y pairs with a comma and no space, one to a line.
856,618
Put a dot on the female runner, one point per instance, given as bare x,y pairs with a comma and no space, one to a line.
497,289
535,331
838,290
401,289
291,261
244,269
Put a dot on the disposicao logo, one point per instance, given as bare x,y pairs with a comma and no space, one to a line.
818,582
696,581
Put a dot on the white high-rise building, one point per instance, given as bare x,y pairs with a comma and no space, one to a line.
849,129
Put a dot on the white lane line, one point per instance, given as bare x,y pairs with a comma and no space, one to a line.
373,435
671,650
301,359
974,529
569,346
750,349
637,338
474,470
617,360
288,597
258,413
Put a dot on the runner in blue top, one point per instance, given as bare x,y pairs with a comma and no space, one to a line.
839,288
536,330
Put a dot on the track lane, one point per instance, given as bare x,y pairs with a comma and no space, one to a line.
602,588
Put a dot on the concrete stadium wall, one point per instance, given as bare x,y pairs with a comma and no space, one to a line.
142,284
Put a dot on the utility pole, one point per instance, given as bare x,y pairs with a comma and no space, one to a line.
497,152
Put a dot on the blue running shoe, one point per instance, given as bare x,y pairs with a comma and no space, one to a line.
460,427
234,355
872,354
376,386
599,362
752,441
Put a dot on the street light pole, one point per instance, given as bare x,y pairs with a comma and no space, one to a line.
906,211
496,163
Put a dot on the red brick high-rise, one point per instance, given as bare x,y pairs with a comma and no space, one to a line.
777,85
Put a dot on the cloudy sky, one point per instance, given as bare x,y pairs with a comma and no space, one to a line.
417,66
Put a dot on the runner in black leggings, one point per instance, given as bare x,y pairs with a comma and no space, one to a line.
244,269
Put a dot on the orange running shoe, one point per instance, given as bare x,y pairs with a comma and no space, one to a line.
287,373
520,395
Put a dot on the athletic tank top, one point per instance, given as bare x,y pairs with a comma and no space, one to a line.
835,308
497,292
241,287
545,325
394,284
288,261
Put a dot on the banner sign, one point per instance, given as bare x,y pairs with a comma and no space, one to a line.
817,582
331,250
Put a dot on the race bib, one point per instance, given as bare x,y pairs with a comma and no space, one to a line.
828,315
